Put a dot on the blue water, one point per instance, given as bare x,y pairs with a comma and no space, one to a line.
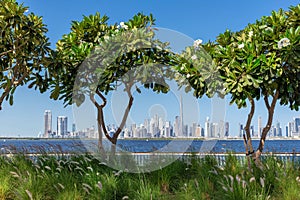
212,146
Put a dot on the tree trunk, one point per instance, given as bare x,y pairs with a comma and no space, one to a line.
247,141
123,122
100,123
268,125
100,140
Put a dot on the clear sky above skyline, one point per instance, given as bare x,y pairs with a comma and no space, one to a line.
196,19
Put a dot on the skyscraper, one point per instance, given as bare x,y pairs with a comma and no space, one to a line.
226,129
177,126
62,126
259,127
168,129
207,128
241,130
47,123
278,129
297,124
291,128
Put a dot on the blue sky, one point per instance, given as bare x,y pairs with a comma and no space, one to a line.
196,19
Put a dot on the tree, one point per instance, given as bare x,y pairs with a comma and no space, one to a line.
261,61
23,48
95,58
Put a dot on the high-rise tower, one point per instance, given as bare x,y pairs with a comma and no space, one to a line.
207,128
259,127
62,126
47,123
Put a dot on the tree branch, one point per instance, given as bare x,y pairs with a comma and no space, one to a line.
269,122
13,49
248,124
267,101
100,116
4,94
124,119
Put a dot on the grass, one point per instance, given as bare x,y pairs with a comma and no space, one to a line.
85,177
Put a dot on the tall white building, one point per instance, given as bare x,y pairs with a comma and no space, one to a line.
47,123
177,131
291,128
62,126
167,129
207,128
259,127
215,130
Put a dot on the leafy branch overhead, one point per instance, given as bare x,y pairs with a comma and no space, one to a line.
23,48
261,61
95,55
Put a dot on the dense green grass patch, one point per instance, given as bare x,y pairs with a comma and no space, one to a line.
85,177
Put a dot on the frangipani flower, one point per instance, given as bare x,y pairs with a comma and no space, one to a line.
284,42
194,57
123,25
240,46
250,33
197,43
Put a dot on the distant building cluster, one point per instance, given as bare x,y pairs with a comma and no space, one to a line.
157,127
293,128
62,128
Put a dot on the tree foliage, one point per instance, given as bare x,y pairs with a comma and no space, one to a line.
261,61
23,47
96,58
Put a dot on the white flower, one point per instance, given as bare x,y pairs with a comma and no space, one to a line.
197,43
284,42
123,25
194,57
188,75
240,46
182,68
262,182
268,29
250,33
252,179
99,184
244,184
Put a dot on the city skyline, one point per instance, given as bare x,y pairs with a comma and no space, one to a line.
194,19
158,127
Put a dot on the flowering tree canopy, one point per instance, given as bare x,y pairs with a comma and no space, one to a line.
95,58
261,61
23,47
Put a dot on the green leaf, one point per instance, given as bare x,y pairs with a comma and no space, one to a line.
138,89
11,100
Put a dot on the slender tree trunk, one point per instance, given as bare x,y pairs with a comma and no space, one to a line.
124,119
248,141
100,139
100,122
268,125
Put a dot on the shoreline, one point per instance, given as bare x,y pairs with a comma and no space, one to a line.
148,139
